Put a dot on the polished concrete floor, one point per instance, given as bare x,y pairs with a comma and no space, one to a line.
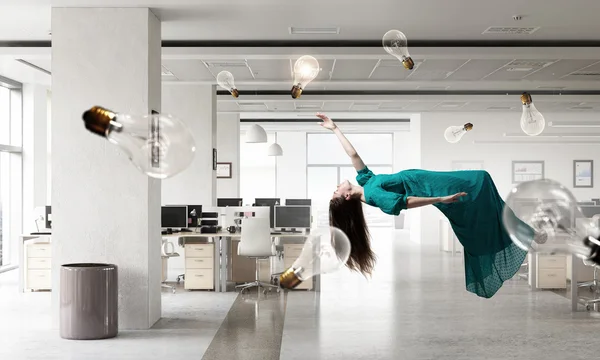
414,307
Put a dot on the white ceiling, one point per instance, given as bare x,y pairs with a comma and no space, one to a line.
263,68
271,19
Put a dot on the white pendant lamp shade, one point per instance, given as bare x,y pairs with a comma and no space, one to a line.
256,134
275,150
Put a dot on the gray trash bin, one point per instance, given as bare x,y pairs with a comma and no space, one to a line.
88,301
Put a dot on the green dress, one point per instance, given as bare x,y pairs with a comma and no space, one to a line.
490,256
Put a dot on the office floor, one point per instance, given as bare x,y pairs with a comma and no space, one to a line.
414,307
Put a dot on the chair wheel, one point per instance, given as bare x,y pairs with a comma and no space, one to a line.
173,290
265,291
178,280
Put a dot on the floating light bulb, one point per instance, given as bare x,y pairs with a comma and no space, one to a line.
396,44
532,121
543,216
453,134
306,70
326,250
158,144
225,80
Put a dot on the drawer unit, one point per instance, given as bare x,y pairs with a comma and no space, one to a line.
290,254
38,275
551,271
197,279
199,267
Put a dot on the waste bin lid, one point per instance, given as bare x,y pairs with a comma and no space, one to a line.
88,266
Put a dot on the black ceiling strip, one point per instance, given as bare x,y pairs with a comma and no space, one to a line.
340,43
405,92
301,120
377,43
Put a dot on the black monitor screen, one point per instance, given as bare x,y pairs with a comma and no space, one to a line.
292,216
590,211
223,202
174,217
48,217
298,202
194,213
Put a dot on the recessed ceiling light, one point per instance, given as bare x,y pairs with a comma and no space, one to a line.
525,69
511,30
552,87
314,31
500,108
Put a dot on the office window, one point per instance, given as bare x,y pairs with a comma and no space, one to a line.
373,149
10,173
257,170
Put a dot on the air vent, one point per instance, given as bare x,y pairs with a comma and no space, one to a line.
392,106
451,105
500,108
530,63
524,69
511,30
226,63
432,87
586,73
314,31
582,108
253,106
308,105
365,106
552,87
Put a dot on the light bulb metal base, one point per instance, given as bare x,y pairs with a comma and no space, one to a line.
526,98
594,246
296,91
408,63
235,93
98,120
468,127
288,279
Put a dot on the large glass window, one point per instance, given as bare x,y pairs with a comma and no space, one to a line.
10,173
328,165
257,170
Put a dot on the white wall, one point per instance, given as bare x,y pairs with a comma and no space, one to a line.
228,150
291,166
196,106
437,154
35,153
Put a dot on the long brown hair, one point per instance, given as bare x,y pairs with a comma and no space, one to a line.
347,215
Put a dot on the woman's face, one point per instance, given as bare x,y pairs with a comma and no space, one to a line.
343,190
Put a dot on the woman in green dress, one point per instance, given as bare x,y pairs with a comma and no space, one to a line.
469,199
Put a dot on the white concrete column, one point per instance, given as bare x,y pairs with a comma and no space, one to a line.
196,105
35,153
228,149
104,209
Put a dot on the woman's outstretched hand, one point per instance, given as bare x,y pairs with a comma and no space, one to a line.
327,122
452,198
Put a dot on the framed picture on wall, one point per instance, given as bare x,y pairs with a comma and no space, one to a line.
467,165
527,170
224,170
583,173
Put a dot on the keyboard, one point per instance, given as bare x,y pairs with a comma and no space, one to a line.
41,233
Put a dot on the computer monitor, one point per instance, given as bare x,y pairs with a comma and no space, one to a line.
271,202
48,217
174,216
223,202
194,212
592,203
294,216
590,211
298,202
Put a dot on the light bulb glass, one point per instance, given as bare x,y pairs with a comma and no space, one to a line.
306,70
396,44
159,145
325,251
543,216
532,121
453,134
226,81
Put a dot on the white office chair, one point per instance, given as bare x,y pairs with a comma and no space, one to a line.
256,243
165,256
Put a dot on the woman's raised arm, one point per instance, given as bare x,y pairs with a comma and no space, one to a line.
329,124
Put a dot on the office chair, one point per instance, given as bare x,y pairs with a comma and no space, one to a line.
256,243
165,256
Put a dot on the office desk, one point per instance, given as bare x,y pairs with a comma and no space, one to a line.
222,260
24,264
